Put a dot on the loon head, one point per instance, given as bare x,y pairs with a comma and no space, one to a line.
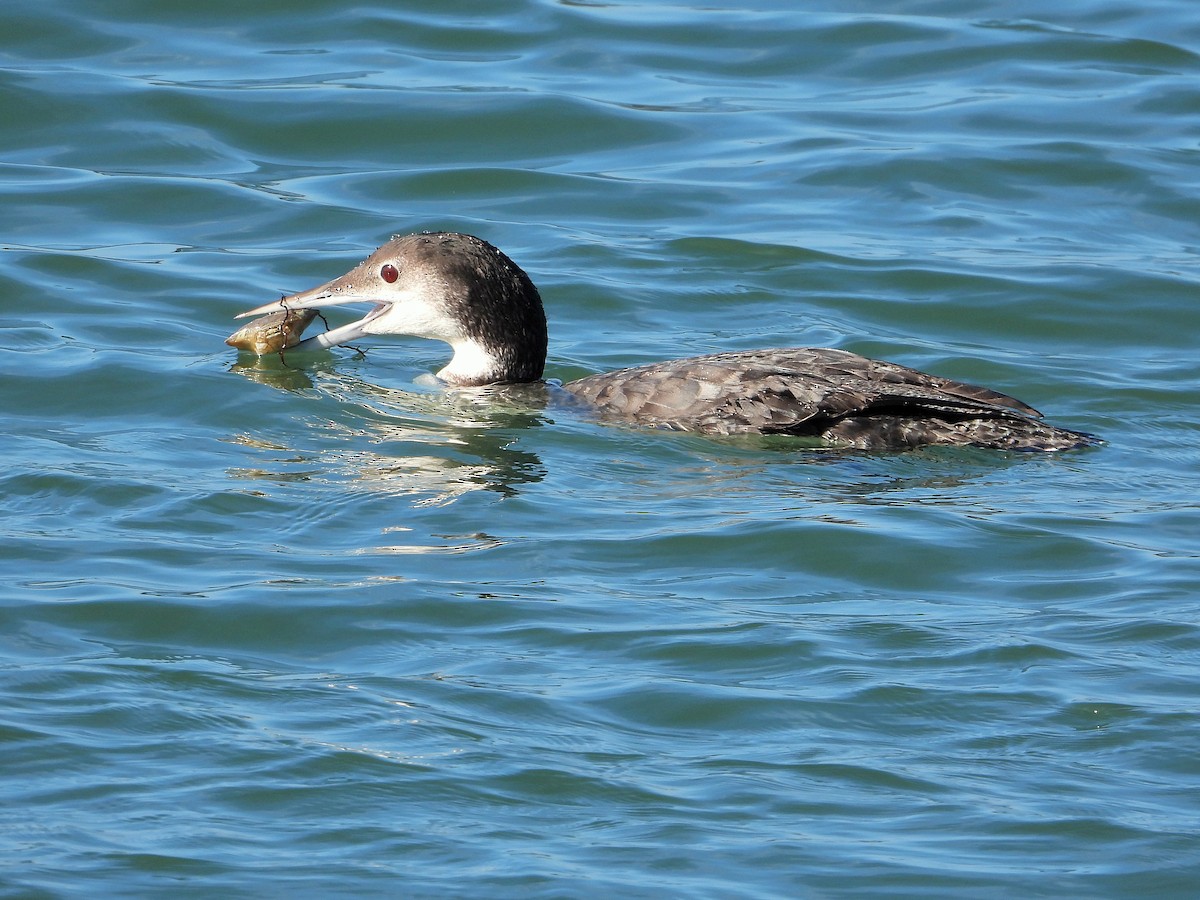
450,287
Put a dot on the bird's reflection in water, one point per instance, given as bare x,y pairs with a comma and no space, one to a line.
428,442
273,371
436,445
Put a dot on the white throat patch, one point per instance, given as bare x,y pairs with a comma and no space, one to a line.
471,364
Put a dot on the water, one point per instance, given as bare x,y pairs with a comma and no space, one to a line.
329,632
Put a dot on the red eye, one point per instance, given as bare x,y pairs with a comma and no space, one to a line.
389,273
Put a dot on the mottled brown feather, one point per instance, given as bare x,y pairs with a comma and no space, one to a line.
841,398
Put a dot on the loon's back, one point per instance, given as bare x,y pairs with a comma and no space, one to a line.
840,398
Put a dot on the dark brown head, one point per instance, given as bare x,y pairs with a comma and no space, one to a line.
450,287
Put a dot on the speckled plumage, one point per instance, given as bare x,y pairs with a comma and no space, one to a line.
837,397
462,290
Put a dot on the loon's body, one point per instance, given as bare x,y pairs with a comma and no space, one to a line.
462,290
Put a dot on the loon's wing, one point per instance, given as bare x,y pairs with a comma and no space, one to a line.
796,390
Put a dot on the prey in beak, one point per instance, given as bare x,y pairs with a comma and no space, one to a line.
286,318
274,332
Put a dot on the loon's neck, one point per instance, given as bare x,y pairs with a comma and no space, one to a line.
477,363
472,364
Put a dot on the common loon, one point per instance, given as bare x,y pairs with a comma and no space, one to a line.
460,289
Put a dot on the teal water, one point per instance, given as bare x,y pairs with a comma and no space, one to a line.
327,631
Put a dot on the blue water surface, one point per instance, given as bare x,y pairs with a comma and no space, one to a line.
325,629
